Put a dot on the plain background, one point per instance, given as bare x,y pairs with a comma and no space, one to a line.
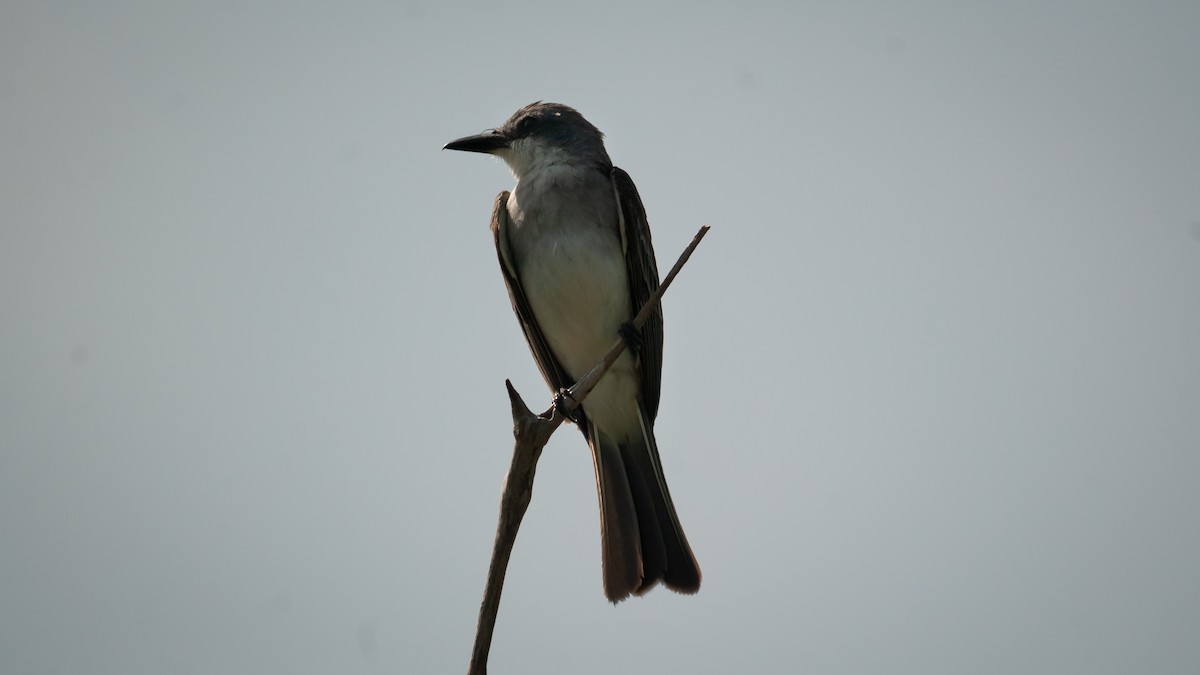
931,397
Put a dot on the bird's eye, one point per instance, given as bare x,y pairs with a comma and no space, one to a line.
527,124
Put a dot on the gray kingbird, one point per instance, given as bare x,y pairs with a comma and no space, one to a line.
575,253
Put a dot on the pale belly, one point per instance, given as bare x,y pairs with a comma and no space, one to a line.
577,288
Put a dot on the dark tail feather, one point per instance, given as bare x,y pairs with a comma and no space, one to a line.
642,540
682,572
620,552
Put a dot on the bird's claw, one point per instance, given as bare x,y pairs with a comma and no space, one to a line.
566,405
632,337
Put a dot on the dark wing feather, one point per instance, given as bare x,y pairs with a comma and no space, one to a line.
552,371
643,281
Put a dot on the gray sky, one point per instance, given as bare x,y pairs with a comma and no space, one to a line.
931,397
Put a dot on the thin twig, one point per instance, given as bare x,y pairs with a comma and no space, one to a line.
586,383
532,432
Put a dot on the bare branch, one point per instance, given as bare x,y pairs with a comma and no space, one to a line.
532,432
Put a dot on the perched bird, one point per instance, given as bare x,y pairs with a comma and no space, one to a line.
575,253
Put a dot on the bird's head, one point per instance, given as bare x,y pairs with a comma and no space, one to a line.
538,136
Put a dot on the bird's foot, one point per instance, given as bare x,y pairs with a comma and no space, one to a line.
632,337
566,405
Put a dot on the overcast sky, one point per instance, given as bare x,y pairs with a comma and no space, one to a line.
931,395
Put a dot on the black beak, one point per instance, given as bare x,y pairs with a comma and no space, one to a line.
488,142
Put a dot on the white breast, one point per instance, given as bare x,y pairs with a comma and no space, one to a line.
567,250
